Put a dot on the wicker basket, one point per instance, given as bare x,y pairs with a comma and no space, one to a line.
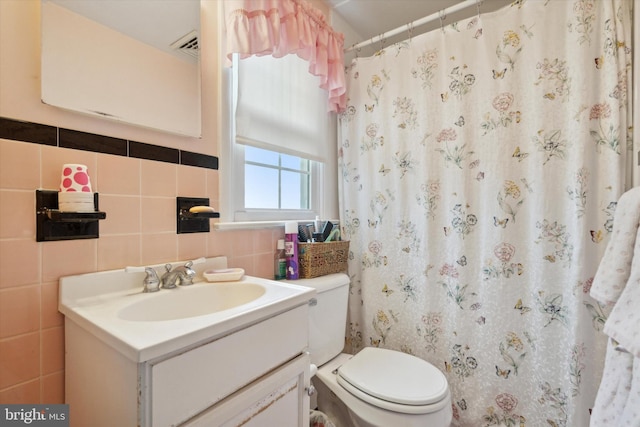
319,259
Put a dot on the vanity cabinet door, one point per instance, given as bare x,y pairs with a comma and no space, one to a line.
187,384
278,399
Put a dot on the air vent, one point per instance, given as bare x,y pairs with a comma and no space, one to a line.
187,44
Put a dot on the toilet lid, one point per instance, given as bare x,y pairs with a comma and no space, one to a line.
394,377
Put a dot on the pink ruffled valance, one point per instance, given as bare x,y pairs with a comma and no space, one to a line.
281,27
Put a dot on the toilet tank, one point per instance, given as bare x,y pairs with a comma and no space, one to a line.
327,315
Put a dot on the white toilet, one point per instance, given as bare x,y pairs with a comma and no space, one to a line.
376,387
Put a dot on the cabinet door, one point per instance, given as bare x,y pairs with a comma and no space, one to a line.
278,399
187,384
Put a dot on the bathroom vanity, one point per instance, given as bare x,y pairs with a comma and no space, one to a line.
245,363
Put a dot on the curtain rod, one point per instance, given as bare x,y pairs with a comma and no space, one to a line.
438,15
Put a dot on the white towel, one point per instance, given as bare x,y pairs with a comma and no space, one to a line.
623,324
615,267
618,401
617,284
617,281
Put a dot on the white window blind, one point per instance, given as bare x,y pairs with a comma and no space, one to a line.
280,107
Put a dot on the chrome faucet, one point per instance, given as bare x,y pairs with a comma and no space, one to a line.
182,275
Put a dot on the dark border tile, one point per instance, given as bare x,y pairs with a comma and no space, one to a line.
92,142
28,132
18,130
201,160
140,150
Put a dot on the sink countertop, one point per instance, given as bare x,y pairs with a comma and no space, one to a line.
94,300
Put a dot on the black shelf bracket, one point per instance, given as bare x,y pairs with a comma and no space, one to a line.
52,224
190,222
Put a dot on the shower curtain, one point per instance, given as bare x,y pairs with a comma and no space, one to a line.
480,168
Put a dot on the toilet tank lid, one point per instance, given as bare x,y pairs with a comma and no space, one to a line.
323,283
395,377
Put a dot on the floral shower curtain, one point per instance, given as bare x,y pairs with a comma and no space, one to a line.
481,164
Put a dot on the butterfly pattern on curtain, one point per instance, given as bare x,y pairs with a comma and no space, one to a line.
480,168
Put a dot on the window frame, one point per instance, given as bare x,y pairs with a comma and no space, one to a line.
243,214
324,178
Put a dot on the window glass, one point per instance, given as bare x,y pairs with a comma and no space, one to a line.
276,181
295,190
261,187
253,154
292,162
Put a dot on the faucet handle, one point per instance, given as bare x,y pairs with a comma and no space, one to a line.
189,273
151,282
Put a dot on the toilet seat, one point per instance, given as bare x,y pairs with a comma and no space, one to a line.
394,380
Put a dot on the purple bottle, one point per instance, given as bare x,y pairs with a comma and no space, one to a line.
291,249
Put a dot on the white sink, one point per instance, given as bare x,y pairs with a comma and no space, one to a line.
192,301
144,326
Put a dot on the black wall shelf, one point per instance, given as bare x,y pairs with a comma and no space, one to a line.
52,224
190,222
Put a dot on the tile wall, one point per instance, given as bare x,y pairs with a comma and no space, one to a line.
138,194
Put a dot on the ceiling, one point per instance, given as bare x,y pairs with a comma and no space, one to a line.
359,20
371,18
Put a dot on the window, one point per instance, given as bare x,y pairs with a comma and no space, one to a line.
275,180
281,140
272,186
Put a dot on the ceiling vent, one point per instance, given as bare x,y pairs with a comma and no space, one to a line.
188,44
